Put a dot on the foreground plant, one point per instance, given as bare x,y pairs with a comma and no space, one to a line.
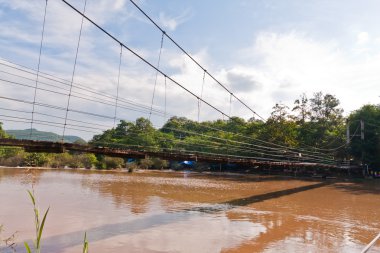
85,243
40,227
38,224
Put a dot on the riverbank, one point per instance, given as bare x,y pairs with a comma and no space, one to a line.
240,174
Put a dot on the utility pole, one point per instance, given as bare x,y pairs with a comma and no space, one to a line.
347,132
362,139
362,129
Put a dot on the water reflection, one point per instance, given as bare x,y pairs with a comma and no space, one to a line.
170,212
166,232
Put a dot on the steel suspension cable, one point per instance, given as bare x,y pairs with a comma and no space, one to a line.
77,86
140,57
165,115
118,84
199,102
73,74
195,61
102,100
158,67
38,67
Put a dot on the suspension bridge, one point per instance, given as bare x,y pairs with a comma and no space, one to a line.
61,102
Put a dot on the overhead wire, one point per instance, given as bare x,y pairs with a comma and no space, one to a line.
142,58
72,76
75,85
82,96
118,84
38,65
155,80
195,61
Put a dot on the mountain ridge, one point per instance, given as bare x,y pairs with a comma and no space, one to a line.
43,135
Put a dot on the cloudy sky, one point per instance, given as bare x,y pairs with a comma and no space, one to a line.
264,51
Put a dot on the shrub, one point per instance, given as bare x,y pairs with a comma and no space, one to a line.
145,163
13,161
88,160
36,159
114,162
159,164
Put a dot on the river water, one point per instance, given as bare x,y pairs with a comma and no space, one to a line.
188,212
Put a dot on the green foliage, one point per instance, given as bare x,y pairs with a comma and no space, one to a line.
369,149
12,157
3,134
114,162
17,157
145,163
36,159
60,160
312,123
159,164
7,152
136,135
106,162
88,160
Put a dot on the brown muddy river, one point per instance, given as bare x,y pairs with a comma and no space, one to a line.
186,212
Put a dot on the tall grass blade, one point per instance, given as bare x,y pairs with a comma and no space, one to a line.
27,247
85,243
32,197
41,229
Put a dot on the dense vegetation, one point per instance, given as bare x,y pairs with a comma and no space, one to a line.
314,124
309,125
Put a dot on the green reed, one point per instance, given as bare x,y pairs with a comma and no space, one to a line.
39,227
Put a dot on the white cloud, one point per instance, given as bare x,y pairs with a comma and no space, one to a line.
172,23
363,38
289,64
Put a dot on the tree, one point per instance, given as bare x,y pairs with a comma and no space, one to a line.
279,128
301,107
279,113
3,134
326,125
325,108
369,148
316,104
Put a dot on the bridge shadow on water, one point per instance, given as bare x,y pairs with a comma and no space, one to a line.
272,195
143,222
259,198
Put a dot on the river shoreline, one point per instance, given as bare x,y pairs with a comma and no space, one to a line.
245,175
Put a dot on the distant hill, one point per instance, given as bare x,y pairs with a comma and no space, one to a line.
42,136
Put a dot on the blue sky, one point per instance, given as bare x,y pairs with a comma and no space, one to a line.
265,51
